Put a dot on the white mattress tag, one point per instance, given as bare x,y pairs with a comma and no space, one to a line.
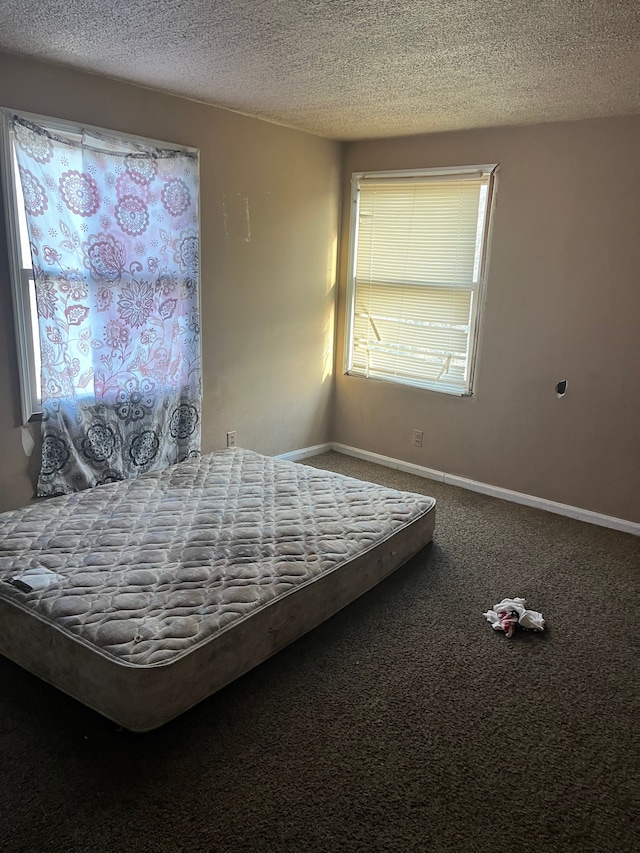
38,578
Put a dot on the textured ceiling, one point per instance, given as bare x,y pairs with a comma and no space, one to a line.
353,69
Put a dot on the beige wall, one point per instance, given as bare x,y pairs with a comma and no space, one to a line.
562,302
563,299
267,304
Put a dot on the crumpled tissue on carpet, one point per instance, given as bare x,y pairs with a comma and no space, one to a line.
511,612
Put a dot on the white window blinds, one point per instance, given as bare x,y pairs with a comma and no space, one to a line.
417,262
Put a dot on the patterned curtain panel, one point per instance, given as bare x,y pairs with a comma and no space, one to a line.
114,243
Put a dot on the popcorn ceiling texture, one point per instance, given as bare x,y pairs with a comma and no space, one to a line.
354,69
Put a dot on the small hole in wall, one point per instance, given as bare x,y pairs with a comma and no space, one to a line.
561,388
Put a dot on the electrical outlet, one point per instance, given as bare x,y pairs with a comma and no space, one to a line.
417,438
231,438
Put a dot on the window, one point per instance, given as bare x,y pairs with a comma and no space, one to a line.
104,236
417,265
23,285
22,277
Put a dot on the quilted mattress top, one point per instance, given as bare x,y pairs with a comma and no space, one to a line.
145,569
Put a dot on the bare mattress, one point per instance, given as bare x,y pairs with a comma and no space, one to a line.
141,598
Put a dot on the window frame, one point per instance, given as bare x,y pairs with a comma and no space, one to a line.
477,288
25,322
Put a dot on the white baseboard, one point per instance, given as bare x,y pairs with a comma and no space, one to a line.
486,489
316,450
389,462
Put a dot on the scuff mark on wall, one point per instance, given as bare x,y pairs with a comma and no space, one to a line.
237,222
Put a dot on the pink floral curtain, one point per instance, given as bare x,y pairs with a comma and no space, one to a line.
114,232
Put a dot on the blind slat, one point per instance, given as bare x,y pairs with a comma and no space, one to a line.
412,331
420,231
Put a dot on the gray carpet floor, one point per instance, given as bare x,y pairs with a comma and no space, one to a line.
404,723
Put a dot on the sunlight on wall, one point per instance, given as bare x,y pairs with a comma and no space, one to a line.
329,341
328,355
332,265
